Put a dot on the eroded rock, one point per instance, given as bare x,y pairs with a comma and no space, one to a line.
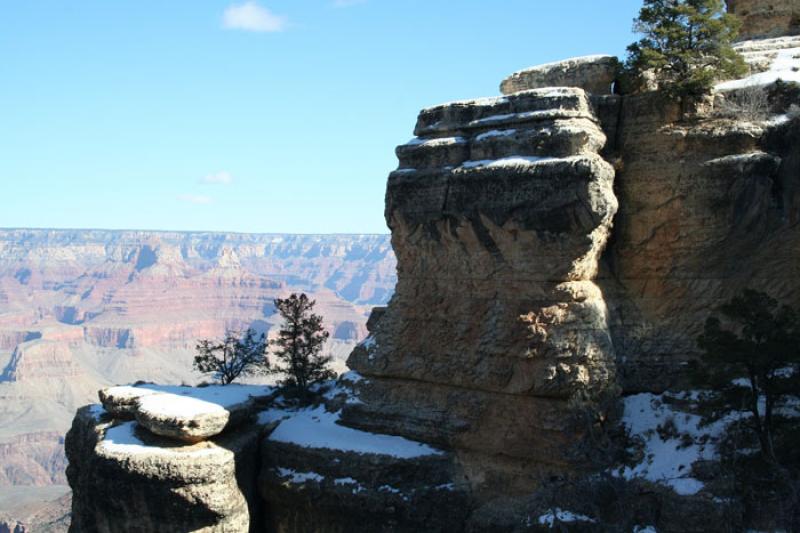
126,479
184,413
766,18
594,74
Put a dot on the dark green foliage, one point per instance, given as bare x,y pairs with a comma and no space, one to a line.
751,361
299,343
237,354
686,44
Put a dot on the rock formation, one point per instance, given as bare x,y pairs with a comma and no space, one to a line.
594,74
168,485
546,299
499,212
766,18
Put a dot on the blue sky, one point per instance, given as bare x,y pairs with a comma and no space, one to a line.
275,116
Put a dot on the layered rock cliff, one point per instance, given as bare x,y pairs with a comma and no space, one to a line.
558,249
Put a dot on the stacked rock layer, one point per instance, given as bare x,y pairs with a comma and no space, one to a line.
499,212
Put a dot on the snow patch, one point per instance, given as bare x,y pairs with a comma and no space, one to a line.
668,460
122,439
318,428
439,141
553,516
495,133
511,161
299,477
785,66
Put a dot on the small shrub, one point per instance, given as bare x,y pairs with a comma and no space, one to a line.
235,355
749,103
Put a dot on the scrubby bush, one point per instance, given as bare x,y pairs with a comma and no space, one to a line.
749,103
237,354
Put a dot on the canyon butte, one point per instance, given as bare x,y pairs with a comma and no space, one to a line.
558,250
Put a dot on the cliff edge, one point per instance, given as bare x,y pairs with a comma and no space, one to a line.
558,250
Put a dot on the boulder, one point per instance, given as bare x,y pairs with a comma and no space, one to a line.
187,414
594,74
126,479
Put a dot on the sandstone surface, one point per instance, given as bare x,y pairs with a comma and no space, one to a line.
499,212
766,18
594,74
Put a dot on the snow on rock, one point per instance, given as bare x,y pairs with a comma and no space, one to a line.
785,66
511,161
668,459
644,529
122,440
299,477
318,428
556,515
495,133
189,414
440,141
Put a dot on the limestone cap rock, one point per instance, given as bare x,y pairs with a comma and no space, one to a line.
594,74
187,414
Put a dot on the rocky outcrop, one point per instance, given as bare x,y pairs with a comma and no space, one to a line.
594,74
126,478
766,18
499,212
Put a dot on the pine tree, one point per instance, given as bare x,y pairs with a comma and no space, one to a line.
235,355
752,363
686,44
299,343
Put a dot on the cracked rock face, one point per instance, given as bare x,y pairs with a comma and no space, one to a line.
499,211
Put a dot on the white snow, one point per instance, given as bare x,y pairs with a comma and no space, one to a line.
299,477
511,161
785,66
554,113
221,395
495,133
644,529
669,461
317,428
489,100
579,59
439,141
549,518
122,439
189,402
405,171
389,488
